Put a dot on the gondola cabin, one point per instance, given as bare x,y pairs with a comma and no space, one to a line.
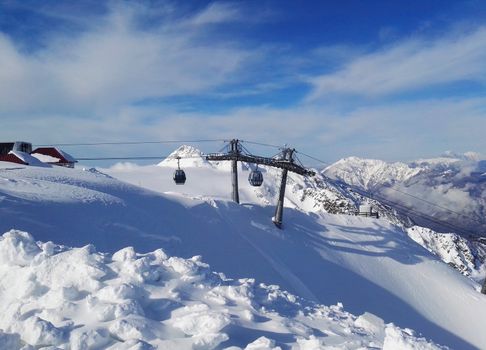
255,178
179,174
179,177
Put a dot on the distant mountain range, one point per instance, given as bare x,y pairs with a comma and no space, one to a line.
446,193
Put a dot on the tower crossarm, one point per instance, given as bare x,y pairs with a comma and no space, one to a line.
277,163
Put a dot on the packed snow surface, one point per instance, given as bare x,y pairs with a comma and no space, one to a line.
368,265
77,298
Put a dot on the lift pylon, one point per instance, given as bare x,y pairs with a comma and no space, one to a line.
284,161
277,219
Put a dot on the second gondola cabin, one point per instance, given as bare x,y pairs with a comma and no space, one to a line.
179,174
255,178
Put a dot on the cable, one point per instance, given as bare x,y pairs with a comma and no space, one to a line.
119,158
436,205
260,144
402,207
132,142
136,158
313,158
407,210
425,216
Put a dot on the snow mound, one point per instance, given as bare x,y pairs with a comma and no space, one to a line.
78,298
190,157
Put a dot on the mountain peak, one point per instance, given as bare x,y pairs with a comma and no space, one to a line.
190,156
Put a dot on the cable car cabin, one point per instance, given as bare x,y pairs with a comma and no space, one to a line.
255,178
179,177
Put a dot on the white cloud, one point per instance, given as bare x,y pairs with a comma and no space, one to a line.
83,89
405,131
116,62
408,65
217,12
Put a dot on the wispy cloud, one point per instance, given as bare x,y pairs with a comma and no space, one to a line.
218,12
116,61
403,131
408,65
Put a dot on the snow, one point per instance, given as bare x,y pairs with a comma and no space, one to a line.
49,159
45,158
368,173
82,299
368,265
27,158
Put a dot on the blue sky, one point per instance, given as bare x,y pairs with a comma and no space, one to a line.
396,80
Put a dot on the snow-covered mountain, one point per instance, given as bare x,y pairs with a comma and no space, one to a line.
452,187
366,264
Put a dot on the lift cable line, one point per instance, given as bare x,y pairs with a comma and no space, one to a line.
436,205
284,160
130,143
135,158
260,144
407,210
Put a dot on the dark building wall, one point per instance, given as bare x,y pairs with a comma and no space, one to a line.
6,147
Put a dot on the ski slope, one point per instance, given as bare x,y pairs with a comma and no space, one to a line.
368,265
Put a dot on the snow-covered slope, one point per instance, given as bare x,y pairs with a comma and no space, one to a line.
81,299
455,184
369,265
468,256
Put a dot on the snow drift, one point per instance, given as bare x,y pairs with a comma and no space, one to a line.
77,298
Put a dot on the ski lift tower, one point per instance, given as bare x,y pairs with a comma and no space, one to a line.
284,160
